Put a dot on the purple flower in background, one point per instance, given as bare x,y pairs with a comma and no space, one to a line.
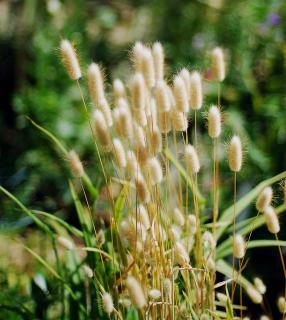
273,19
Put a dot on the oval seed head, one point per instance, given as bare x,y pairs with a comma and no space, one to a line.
156,140
137,88
179,218
264,199
214,122
101,129
155,171
238,246
271,220
196,91
70,60
119,153
123,119
95,83
192,160
140,116
105,108
179,121
118,90
65,243
133,167
180,94
259,285
218,64
148,68
154,294
143,216
162,97
254,295
181,254
264,317
209,241
186,76
167,286
158,57
164,122
135,291
76,165
107,303
235,154
191,224
87,270
137,56
281,304
142,189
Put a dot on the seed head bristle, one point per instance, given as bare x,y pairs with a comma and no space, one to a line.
214,122
135,292
154,294
105,108
192,160
158,57
143,216
186,76
235,154
123,119
180,94
148,68
164,122
264,199
155,140
107,303
137,56
179,121
162,97
142,189
238,246
133,166
118,90
137,88
218,64
181,255
76,165
155,171
119,153
271,220
178,216
70,59
101,129
196,91
95,83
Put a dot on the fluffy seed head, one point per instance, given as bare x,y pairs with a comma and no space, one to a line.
238,246
235,154
162,97
65,243
196,91
164,122
135,291
119,153
123,120
180,94
107,303
158,57
191,224
254,295
132,164
101,129
264,317
76,165
155,170
181,254
156,140
140,116
148,68
192,160
179,218
186,76
218,64
137,56
118,90
143,216
221,297
70,59
209,241
167,285
87,270
281,304
137,88
264,199
154,294
95,83
105,108
271,220
259,285
179,121
142,189
214,122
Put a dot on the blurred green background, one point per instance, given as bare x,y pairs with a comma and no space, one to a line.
34,84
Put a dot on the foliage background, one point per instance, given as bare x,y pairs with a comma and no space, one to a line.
35,84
